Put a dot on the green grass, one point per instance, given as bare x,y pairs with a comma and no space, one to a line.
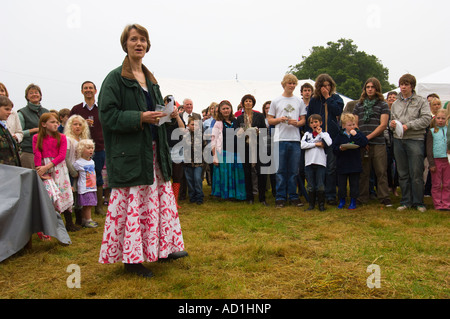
239,251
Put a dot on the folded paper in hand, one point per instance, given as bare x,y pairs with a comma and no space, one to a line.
168,109
399,129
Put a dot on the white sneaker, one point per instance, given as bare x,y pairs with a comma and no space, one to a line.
421,209
401,208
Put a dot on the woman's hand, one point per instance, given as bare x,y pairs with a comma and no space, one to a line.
175,114
152,117
325,92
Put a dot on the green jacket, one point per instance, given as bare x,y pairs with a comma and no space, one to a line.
128,141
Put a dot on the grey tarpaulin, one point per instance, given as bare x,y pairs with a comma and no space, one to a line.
25,209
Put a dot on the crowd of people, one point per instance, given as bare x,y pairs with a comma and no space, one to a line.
115,152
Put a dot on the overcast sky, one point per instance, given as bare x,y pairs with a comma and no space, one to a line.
59,44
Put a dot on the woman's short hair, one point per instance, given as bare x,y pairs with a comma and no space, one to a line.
248,97
126,33
30,87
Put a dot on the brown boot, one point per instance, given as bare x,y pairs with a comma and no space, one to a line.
99,207
176,191
70,226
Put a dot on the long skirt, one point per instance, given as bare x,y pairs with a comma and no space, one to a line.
142,223
229,178
58,187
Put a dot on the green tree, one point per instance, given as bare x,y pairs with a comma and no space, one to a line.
348,67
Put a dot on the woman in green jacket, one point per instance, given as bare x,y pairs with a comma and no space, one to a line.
142,222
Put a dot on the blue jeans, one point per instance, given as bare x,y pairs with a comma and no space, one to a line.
315,175
288,164
99,161
194,183
409,157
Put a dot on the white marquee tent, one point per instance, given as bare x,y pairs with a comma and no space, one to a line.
438,82
203,93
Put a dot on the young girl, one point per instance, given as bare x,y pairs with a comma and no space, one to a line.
87,181
49,148
439,166
76,129
348,160
228,176
435,105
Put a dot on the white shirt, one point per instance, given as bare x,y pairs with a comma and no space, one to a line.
313,154
87,181
291,107
88,107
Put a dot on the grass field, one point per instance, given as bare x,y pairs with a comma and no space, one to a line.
240,251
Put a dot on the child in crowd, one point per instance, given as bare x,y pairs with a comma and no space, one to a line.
87,181
50,148
76,129
314,144
193,168
348,159
63,117
437,150
9,149
435,105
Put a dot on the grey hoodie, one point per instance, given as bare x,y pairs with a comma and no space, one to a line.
414,113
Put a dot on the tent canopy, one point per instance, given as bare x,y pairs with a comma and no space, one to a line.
203,93
438,82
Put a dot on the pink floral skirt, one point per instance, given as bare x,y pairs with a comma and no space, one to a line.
142,223
58,187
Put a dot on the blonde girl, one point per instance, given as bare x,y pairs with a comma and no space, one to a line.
435,106
87,181
439,166
76,129
49,148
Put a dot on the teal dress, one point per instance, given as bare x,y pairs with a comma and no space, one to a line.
228,177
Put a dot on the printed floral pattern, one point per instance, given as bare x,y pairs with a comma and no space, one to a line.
142,223
58,187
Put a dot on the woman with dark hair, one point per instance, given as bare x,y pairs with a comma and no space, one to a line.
228,177
329,106
142,223
250,122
